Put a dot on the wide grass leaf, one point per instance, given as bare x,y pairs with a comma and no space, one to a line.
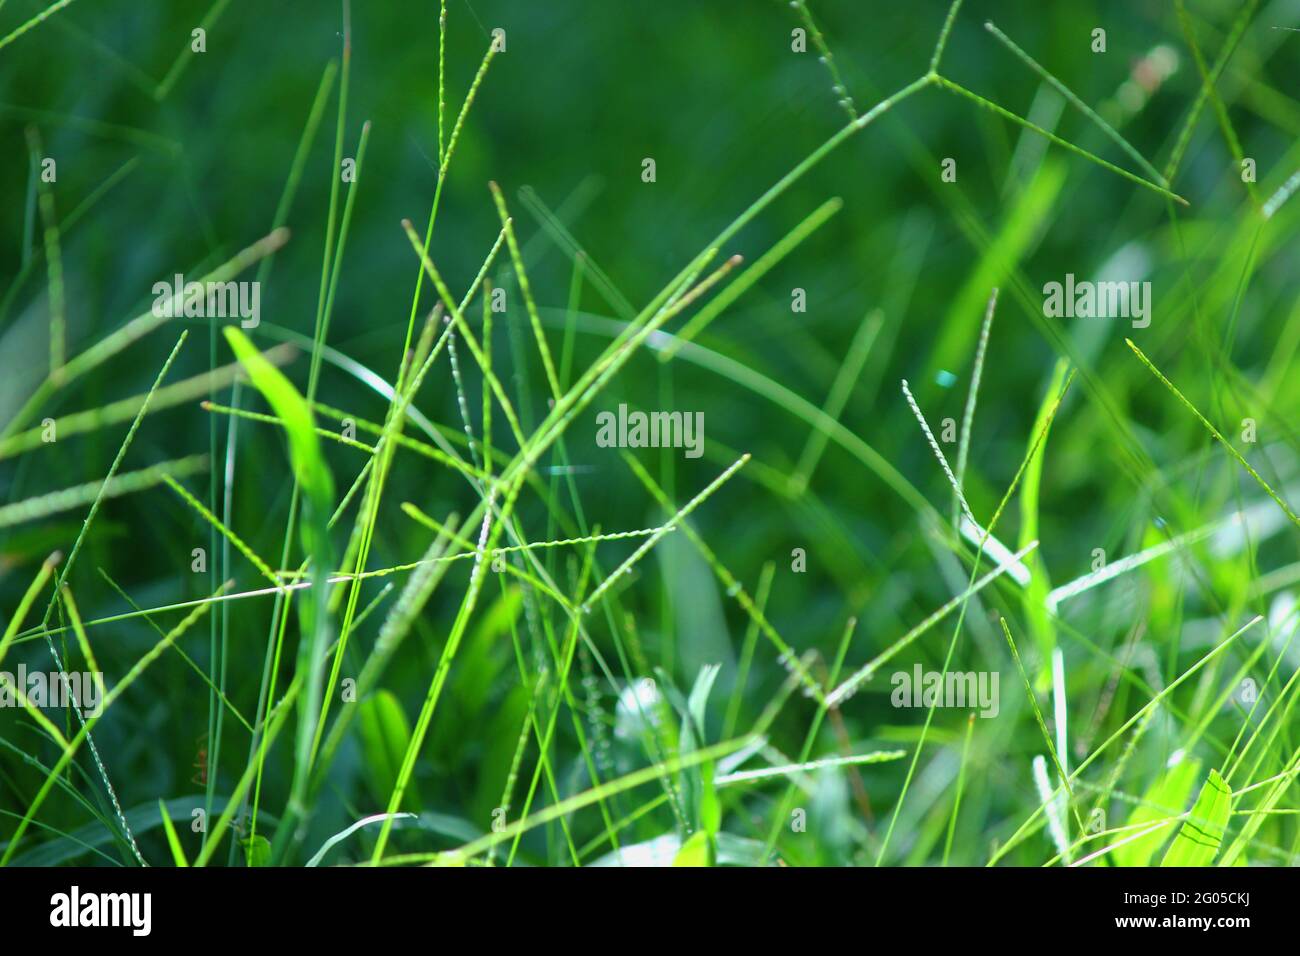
385,735
697,851
1166,798
313,476
1197,842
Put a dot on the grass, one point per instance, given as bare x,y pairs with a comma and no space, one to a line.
445,627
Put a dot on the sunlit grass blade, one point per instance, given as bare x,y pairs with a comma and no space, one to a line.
761,266
33,22
173,841
972,396
767,773
1286,509
868,670
28,599
1197,841
1064,144
225,532
187,53
314,477
1078,104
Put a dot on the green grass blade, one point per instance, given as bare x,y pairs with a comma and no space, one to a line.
1198,839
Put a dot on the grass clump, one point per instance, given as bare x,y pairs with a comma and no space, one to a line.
443,625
